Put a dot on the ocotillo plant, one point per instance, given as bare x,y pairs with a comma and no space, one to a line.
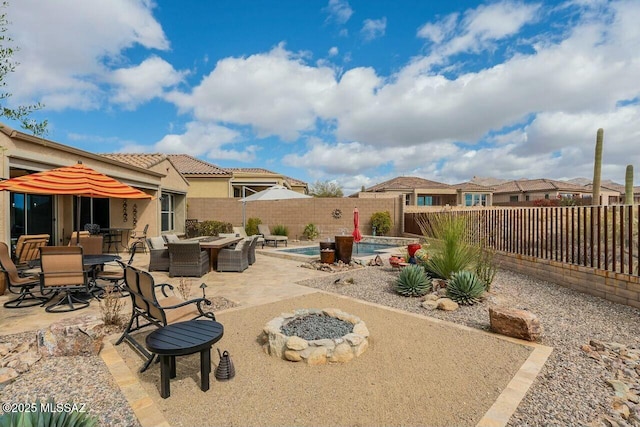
597,167
628,186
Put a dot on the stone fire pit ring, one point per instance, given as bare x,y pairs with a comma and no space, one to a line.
319,351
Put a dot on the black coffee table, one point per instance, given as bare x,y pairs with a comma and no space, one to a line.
180,339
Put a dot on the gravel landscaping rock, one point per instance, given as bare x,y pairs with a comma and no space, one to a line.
572,388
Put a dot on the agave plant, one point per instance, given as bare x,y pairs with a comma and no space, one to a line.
413,282
49,414
465,288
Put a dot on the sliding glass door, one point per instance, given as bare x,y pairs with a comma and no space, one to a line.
31,214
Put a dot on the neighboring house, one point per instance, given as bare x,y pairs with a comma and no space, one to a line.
612,193
205,179
210,181
525,190
174,187
423,192
258,179
472,194
23,154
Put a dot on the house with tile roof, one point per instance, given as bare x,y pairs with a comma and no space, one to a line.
418,191
529,190
210,181
24,154
173,187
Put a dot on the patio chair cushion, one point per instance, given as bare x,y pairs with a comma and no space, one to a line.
171,238
157,242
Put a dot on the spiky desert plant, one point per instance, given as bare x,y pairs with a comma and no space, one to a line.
49,414
452,248
597,167
628,186
413,282
465,288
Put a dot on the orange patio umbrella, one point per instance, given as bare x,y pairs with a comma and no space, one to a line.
77,180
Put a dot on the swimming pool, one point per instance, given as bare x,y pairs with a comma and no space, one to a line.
359,249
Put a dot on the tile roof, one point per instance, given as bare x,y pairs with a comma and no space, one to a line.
408,183
472,186
189,165
542,184
292,181
140,160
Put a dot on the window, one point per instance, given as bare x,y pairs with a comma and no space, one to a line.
167,211
513,199
31,214
471,199
407,199
526,197
92,211
546,196
425,200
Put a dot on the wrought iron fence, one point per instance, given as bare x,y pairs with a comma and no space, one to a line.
603,237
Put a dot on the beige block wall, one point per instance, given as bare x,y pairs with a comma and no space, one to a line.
616,287
297,213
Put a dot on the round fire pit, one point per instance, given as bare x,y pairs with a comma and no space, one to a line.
315,336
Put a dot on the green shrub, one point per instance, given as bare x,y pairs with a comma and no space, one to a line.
213,228
451,253
252,226
465,288
382,222
280,230
311,232
54,415
485,267
413,282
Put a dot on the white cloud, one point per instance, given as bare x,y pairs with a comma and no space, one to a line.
333,51
70,46
436,32
339,11
478,28
143,82
274,92
373,28
206,139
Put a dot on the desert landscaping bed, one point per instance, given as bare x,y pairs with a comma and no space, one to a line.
572,387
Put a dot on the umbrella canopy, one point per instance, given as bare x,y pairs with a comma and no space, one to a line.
76,180
357,236
277,192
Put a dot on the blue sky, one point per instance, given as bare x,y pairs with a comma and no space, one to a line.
352,91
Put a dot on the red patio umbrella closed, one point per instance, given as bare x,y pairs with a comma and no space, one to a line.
357,236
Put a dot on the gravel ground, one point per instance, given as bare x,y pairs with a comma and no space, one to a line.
79,379
571,388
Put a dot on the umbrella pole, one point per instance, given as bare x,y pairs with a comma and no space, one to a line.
78,211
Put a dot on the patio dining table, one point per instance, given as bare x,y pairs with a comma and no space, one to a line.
214,246
115,237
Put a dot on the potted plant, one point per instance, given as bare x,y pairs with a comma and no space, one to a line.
311,232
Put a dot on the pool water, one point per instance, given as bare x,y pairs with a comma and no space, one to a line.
359,249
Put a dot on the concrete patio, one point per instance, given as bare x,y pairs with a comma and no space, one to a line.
269,279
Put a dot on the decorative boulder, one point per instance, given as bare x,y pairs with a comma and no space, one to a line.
515,323
77,336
